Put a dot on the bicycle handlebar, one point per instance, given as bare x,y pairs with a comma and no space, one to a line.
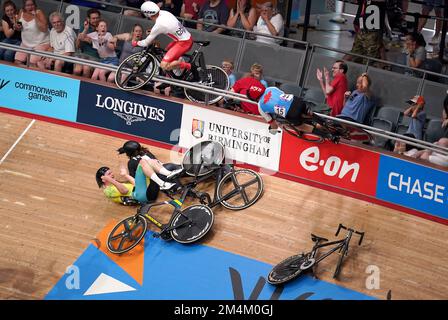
361,234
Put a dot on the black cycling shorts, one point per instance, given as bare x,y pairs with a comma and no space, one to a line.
297,109
152,191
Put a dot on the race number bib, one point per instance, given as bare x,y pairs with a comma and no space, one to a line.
180,30
280,111
286,97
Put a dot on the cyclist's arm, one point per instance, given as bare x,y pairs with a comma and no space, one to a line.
120,187
266,116
155,31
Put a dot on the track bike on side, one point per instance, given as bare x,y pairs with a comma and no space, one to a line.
138,69
296,265
328,130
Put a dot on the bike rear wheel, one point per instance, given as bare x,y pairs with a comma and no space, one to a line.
240,189
310,137
136,71
127,234
216,78
193,223
286,270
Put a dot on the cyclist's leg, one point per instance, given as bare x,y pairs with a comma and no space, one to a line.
141,185
158,167
145,164
175,50
152,191
298,114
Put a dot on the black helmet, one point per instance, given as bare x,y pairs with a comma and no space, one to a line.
130,148
101,172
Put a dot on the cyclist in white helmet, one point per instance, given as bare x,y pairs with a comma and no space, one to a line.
167,23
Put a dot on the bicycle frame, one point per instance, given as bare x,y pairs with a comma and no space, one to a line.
196,56
218,173
339,246
176,203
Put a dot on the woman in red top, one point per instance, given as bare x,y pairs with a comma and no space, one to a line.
334,90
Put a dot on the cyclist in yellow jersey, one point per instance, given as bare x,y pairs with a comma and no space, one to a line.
119,192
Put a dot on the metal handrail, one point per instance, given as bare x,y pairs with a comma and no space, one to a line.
94,64
391,135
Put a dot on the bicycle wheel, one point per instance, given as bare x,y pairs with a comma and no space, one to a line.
310,137
127,234
136,71
200,220
215,78
286,270
240,189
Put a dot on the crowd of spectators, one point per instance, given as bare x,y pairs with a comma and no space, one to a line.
29,27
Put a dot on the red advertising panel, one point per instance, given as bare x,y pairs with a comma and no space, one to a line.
337,165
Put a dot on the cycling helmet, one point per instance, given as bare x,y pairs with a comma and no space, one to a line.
255,92
130,148
149,9
101,172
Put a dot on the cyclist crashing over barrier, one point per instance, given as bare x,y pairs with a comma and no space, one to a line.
138,69
166,23
295,117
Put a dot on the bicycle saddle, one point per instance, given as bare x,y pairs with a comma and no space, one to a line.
202,43
315,238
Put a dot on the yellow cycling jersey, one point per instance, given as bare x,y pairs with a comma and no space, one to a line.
112,192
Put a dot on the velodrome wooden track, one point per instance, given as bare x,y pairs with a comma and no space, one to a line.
51,208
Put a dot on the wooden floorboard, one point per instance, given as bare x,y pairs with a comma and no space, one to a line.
51,208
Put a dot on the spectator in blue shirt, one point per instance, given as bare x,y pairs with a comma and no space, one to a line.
359,103
418,116
227,66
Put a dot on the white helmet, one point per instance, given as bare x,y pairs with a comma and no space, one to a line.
149,8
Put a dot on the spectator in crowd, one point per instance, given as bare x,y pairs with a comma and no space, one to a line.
404,148
173,6
227,66
11,30
62,41
213,11
100,41
35,34
270,23
434,157
82,42
418,116
242,86
427,7
335,89
127,49
162,88
415,50
404,9
242,16
369,30
445,113
256,71
359,103
133,4
190,10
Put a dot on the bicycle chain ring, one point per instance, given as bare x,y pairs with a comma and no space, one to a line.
307,264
